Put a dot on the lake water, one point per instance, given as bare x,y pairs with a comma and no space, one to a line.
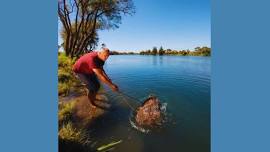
181,82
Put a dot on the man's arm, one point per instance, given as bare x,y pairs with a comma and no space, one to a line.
104,78
105,74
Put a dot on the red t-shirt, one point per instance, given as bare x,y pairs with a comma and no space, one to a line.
86,63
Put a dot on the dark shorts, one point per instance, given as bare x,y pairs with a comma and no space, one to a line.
90,80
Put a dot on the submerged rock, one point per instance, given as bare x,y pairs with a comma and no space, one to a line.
149,113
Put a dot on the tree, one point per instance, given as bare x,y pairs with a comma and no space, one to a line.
168,51
154,51
91,45
82,18
197,48
161,51
202,51
183,52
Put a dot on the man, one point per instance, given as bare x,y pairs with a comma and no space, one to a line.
89,68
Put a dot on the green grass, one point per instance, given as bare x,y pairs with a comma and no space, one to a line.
72,139
67,82
65,112
69,133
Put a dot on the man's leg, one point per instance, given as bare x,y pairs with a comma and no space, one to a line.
92,97
93,87
88,81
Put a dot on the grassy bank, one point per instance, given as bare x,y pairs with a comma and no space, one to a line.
71,138
67,82
75,114
74,117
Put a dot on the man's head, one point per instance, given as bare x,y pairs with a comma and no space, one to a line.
104,54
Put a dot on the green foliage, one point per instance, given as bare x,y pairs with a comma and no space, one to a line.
198,51
204,51
161,51
70,133
63,89
154,51
65,112
122,53
64,76
114,53
66,79
64,62
72,139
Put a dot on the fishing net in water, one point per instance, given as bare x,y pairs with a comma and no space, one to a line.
149,115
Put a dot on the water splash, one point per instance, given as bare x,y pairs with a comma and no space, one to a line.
163,107
137,127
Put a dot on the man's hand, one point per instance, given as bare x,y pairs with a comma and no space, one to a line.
114,88
103,77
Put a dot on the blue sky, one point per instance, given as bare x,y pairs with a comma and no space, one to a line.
174,24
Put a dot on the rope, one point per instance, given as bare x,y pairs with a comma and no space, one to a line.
132,108
137,100
125,100
125,95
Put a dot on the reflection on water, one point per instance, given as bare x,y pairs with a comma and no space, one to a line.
181,82
154,58
157,60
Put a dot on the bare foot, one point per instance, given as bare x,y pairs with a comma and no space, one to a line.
93,106
102,105
106,105
101,97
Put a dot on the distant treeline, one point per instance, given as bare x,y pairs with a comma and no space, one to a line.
122,53
198,51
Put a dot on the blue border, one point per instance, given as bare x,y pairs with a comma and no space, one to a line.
28,88
240,76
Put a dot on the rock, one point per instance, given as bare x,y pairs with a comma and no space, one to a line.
149,113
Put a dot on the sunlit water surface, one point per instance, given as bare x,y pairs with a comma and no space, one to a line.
183,83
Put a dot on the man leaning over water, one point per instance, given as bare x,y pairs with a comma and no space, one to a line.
89,68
